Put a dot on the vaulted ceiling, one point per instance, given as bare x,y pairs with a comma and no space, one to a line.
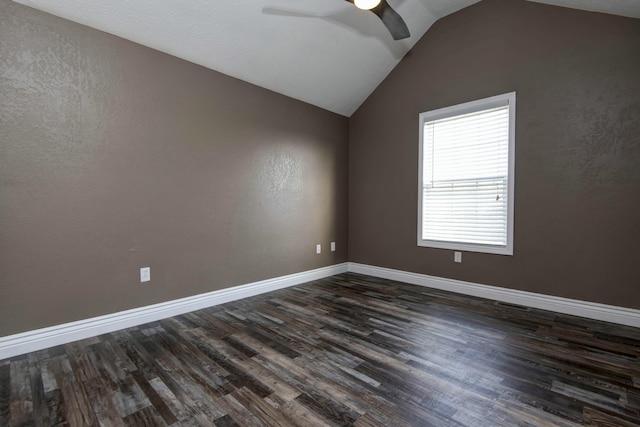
324,52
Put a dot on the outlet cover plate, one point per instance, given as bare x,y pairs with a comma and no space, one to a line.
145,274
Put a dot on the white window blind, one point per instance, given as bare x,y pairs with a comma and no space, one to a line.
465,188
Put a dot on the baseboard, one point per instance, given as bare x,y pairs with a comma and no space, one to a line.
14,345
590,310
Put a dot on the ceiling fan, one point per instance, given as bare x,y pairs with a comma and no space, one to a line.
387,15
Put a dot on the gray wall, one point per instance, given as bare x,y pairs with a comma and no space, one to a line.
115,157
577,202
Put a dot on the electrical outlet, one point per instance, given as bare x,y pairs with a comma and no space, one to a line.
333,246
318,249
457,257
145,274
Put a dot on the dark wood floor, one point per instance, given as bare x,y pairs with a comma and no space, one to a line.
347,350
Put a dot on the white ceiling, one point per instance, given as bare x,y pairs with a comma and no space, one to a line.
324,52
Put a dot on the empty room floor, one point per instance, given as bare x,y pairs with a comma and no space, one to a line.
346,350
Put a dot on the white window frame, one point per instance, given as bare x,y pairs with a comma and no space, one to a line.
507,99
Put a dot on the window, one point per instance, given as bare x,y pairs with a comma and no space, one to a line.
466,176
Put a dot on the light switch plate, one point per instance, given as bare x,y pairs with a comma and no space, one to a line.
457,256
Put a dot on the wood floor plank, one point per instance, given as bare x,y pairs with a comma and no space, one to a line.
77,407
593,417
176,410
348,350
170,385
56,407
270,380
198,396
5,397
301,415
40,407
21,404
101,395
154,398
144,417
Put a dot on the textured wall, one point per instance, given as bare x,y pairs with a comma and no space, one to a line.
577,202
115,157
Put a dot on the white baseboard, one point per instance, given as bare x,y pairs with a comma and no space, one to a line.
14,345
590,310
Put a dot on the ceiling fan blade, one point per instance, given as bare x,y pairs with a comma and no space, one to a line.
391,20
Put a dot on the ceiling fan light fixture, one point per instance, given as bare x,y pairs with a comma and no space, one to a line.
366,4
